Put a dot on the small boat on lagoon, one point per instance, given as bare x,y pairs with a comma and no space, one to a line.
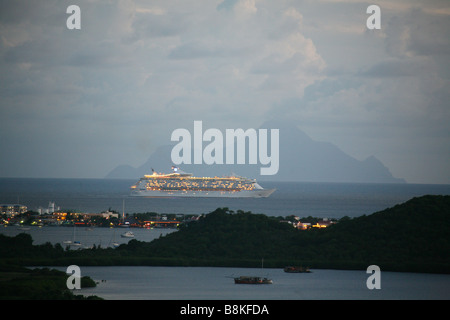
253,279
72,242
127,234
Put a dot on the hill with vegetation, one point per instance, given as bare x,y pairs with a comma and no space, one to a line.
19,283
413,236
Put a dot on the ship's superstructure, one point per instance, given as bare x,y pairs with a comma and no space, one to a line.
181,184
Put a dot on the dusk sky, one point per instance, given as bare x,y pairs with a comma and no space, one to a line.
78,103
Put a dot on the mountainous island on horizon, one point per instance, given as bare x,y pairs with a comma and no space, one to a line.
301,159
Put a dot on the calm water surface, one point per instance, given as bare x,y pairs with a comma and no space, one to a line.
207,283
103,237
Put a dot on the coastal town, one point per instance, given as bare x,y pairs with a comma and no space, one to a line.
19,215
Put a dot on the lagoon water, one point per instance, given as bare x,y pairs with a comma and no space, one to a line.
331,200
215,283
208,283
103,237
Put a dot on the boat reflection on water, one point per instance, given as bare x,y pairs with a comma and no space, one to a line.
252,280
296,270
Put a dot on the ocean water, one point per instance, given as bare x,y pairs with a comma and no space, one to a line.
326,200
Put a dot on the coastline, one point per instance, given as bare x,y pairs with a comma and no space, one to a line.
401,238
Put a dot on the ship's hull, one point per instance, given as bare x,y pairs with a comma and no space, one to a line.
257,193
182,184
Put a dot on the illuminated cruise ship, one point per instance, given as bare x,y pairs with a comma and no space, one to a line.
181,184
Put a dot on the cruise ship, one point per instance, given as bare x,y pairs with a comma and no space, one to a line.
182,184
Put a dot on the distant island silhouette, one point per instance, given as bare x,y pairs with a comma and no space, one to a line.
301,159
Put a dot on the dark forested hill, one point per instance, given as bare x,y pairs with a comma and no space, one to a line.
413,236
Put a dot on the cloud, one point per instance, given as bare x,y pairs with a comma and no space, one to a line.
389,89
195,50
138,70
137,63
401,68
418,32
